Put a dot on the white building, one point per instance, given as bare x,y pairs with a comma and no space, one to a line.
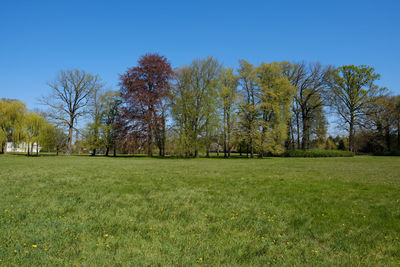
21,147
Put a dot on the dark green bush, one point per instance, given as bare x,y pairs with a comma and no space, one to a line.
318,153
388,153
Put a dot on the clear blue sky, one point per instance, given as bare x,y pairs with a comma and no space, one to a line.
38,38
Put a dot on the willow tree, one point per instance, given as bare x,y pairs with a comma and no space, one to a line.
276,93
33,127
352,90
70,95
12,113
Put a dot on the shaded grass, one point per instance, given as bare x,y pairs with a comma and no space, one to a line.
141,211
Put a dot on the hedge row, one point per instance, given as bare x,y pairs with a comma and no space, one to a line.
317,153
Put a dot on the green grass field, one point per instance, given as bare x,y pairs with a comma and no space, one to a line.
141,211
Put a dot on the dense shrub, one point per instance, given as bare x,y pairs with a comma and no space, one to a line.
317,153
388,153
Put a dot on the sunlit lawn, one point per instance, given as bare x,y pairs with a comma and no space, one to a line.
142,211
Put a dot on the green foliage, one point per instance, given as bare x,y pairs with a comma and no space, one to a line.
318,153
248,106
228,96
353,89
12,113
275,96
194,105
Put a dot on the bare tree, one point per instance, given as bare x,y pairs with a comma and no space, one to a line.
71,92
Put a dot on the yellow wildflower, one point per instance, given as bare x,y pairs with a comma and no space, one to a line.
34,246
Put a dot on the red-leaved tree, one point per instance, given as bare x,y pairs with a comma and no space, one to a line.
144,91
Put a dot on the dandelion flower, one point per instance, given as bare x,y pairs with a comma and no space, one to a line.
34,246
106,235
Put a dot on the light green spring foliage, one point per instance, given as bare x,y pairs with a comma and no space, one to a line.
248,106
228,95
194,104
353,89
101,131
95,110
11,118
32,127
276,93
51,137
111,102
18,125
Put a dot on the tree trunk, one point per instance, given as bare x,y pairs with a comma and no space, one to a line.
107,150
149,146
115,152
69,140
57,151
37,149
164,137
229,134
351,134
398,134
224,133
388,141
305,142
251,148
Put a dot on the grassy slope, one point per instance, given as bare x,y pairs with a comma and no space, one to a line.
105,211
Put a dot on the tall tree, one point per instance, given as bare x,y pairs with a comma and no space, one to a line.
352,89
276,93
194,104
311,82
384,115
12,113
95,112
109,119
52,137
144,90
33,125
249,105
228,95
71,92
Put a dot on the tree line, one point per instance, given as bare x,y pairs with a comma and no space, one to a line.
205,107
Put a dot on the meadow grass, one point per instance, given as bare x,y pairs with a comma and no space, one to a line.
142,211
